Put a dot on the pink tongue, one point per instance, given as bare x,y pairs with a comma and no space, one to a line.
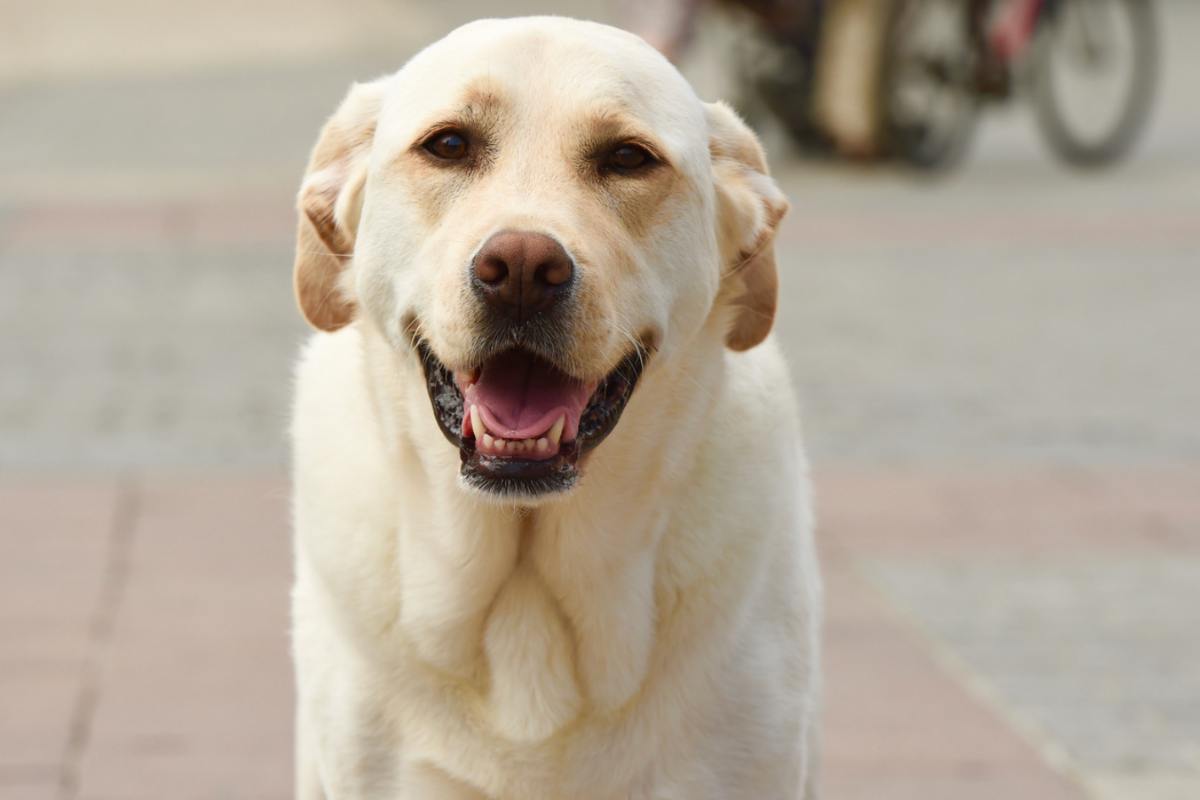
520,397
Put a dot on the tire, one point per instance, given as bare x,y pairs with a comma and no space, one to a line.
925,140
1061,134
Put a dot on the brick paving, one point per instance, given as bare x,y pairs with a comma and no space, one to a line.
994,369
143,647
143,650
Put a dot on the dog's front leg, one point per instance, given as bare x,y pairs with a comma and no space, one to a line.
346,744
423,781
308,773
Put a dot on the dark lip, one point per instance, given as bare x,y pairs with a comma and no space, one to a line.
515,477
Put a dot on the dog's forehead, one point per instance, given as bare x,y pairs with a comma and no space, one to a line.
546,68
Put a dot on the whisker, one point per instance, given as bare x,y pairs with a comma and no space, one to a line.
308,252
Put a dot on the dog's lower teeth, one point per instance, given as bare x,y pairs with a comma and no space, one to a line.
499,446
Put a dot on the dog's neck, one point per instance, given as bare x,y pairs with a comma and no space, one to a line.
549,610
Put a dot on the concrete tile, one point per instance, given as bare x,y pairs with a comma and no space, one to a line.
1145,785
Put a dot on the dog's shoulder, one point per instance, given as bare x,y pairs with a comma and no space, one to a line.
332,417
759,392
328,378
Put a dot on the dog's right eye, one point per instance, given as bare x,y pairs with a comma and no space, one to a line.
447,145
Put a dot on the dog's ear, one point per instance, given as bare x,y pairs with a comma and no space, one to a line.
749,208
330,203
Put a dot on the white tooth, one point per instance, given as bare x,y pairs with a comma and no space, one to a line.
542,445
488,441
556,431
477,422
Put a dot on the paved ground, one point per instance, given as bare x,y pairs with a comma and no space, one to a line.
990,636
998,374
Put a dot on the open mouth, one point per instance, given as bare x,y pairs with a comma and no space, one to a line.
520,423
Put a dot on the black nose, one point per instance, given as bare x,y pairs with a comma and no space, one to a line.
521,274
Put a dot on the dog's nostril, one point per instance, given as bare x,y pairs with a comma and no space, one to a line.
554,272
490,270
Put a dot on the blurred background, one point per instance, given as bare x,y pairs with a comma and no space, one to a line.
991,281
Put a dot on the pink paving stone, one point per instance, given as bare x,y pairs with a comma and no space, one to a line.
148,225
892,229
198,694
232,221
37,703
1167,499
1015,512
54,543
31,784
216,221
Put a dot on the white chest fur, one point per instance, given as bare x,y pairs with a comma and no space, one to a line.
544,614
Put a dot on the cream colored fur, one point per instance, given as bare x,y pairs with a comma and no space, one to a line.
653,632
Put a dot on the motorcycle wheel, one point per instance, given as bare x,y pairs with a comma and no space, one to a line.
927,96
1094,79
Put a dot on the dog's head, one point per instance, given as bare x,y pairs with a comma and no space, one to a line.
539,208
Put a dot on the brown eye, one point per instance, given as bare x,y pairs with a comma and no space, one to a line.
629,158
447,145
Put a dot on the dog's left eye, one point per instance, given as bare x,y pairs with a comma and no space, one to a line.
628,158
448,145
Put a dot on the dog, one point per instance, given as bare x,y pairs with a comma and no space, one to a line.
553,533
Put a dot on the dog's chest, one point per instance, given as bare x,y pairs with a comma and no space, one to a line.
530,654
541,618
555,649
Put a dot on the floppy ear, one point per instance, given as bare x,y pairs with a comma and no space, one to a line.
330,204
749,208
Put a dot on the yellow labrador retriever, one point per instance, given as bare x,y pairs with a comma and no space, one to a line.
553,532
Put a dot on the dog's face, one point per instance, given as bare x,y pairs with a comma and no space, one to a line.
539,208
